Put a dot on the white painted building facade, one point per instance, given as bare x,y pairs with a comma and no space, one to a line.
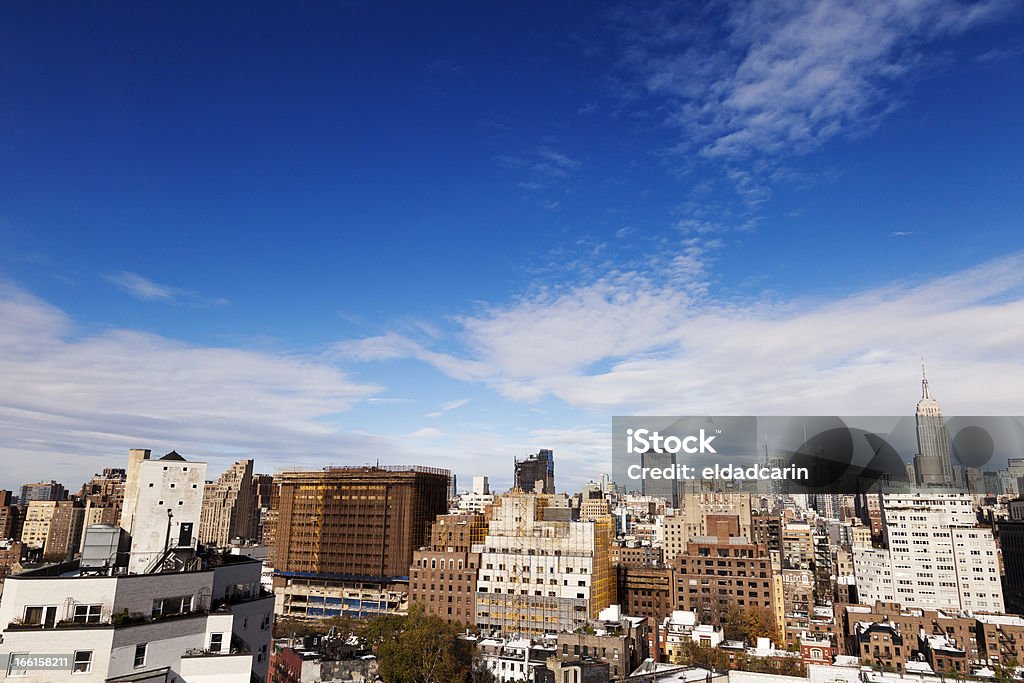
936,556
163,502
182,627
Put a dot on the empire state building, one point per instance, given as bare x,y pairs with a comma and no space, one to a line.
933,459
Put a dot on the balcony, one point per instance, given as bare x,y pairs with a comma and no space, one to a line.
238,648
224,604
65,624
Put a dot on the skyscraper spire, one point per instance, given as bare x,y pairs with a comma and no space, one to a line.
924,381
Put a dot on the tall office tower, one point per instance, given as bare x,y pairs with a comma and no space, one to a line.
44,490
539,575
103,497
442,579
345,536
536,474
666,489
932,440
5,497
936,556
163,501
229,507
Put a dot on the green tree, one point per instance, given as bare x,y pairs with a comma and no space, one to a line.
418,648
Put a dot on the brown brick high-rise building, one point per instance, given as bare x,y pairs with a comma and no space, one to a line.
442,579
10,522
103,497
345,536
716,574
646,591
65,531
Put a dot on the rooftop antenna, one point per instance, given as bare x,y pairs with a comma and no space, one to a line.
924,381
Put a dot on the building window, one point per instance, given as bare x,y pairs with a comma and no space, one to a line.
40,616
175,605
216,641
87,614
140,655
13,672
83,662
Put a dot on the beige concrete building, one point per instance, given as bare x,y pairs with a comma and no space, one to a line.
36,526
542,576
702,509
229,507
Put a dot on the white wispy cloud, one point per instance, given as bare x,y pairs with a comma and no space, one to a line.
147,290
71,405
71,402
452,405
771,78
142,288
998,54
541,168
636,345
426,433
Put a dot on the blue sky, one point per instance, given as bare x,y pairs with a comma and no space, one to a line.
449,235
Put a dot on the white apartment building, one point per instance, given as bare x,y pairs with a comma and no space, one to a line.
873,571
477,500
513,660
207,625
163,501
542,576
936,557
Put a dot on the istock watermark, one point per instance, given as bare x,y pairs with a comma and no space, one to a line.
645,440
668,456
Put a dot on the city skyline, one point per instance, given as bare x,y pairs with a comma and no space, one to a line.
456,237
